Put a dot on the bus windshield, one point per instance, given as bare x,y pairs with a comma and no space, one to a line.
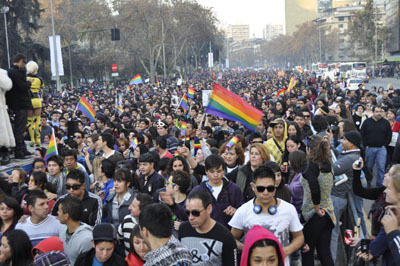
359,66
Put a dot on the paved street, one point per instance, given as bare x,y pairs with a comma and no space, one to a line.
383,82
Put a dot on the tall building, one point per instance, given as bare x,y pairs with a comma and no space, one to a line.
297,12
393,24
238,32
324,5
271,31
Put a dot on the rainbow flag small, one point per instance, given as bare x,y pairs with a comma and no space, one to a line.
183,128
184,103
299,69
136,80
252,75
52,148
281,92
86,109
246,95
134,143
232,143
292,84
190,93
91,98
226,104
213,74
176,153
120,110
158,83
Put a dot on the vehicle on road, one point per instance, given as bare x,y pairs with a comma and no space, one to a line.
352,83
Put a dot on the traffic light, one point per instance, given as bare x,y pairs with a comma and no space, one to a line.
115,35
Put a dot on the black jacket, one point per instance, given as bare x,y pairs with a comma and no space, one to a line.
19,98
86,259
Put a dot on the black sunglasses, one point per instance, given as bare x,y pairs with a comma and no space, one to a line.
77,137
261,189
74,187
195,213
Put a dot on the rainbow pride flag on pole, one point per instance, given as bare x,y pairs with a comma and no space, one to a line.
134,143
226,104
281,92
86,109
190,93
292,84
120,110
136,80
52,148
184,103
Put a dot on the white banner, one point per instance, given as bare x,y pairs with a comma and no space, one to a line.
210,60
59,56
206,97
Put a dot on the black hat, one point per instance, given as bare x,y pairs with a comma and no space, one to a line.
324,110
105,232
146,158
354,137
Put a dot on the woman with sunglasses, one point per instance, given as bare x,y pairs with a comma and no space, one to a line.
317,208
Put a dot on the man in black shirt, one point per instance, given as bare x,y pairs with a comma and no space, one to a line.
376,135
209,242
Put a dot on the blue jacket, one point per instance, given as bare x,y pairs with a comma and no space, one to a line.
230,195
387,246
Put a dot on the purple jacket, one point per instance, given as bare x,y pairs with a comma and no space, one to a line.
296,189
230,195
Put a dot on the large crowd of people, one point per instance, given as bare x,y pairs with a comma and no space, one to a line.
149,181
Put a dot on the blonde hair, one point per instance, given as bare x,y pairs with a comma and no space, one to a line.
262,150
32,67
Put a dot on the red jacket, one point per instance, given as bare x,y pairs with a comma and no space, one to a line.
134,260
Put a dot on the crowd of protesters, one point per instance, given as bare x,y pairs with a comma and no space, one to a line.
158,184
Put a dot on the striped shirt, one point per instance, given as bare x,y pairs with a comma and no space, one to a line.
125,231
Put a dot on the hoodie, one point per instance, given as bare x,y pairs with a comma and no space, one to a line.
49,244
255,234
77,243
273,149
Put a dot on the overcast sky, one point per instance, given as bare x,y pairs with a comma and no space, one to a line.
257,13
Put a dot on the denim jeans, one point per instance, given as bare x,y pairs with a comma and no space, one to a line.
376,156
339,206
358,202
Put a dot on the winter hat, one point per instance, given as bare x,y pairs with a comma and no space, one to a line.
49,244
105,232
354,137
52,258
324,110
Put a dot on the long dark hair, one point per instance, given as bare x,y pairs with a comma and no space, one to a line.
186,167
20,247
266,243
13,204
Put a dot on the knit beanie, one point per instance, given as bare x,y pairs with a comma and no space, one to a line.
354,137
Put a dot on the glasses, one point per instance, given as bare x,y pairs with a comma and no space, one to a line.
170,183
77,137
307,116
74,187
261,189
257,141
195,213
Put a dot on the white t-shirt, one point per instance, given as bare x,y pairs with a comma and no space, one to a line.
216,191
281,224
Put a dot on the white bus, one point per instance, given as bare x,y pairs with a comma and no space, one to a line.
319,68
354,70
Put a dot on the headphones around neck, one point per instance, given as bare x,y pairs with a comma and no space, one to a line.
272,210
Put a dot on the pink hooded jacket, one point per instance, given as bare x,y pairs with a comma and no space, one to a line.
255,234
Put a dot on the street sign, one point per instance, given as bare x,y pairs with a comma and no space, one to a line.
114,74
114,67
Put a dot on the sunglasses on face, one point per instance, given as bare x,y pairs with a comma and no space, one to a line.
307,116
74,187
261,189
195,213
77,137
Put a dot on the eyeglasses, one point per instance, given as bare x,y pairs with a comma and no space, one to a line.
261,189
195,213
169,183
257,141
74,187
307,116
77,137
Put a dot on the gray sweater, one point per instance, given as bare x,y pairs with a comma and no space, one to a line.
77,243
344,165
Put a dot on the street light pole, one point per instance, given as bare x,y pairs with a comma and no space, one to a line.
54,47
320,45
5,10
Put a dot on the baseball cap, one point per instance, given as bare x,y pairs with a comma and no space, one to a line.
105,232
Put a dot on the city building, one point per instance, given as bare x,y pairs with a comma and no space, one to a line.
297,12
238,32
271,31
393,24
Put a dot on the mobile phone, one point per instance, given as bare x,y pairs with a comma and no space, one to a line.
365,245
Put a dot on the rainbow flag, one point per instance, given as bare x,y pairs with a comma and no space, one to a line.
232,143
226,104
158,83
184,103
246,95
134,143
281,92
183,128
252,75
52,148
86,109
300,70
213,74
91,98
120,110
190,93
136,80
292,84
176,153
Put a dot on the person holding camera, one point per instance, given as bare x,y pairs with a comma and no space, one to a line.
387,242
